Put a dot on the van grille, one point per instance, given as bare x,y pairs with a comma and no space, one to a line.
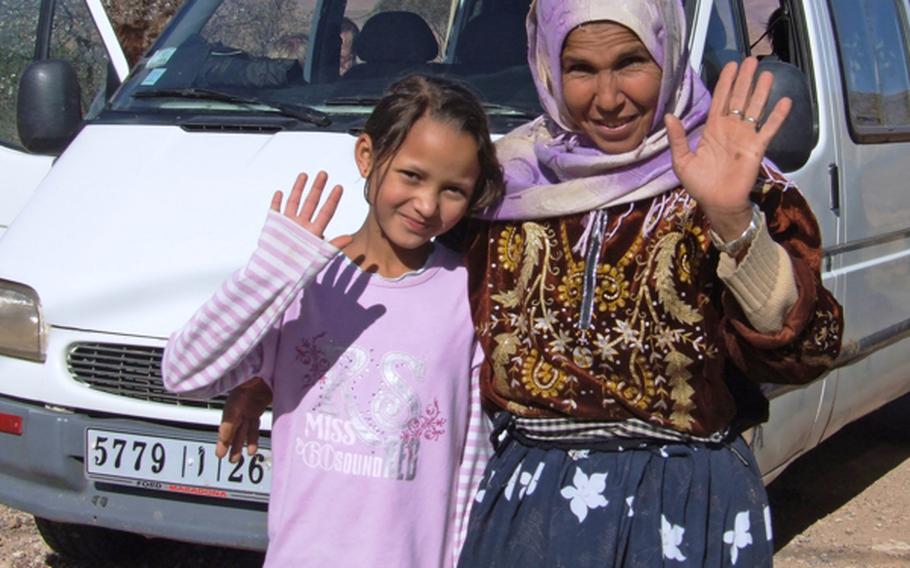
133,371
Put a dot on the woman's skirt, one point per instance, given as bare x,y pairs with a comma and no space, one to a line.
657,504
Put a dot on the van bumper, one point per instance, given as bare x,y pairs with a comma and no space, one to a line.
42,472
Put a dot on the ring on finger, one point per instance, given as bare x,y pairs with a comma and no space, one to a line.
736,112
751,119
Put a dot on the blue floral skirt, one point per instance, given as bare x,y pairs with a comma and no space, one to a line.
671,504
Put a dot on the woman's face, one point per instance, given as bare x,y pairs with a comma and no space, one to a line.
610,85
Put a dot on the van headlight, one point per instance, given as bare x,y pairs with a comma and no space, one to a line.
22,332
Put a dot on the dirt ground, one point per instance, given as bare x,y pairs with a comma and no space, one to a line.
845,504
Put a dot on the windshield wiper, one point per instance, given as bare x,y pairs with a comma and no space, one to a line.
505,110
492,108
300,112
352,101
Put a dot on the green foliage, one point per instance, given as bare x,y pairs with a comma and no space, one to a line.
17,48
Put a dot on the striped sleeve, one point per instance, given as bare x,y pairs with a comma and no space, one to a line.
222,345
477,452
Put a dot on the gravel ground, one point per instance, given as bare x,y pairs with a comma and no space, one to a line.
845,504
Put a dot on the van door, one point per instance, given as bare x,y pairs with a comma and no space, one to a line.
77,31
871,67
732,30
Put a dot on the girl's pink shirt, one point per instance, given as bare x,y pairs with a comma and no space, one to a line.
378,439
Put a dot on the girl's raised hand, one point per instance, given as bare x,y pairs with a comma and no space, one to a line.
720,172
303,215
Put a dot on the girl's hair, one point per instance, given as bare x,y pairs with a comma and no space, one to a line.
416,96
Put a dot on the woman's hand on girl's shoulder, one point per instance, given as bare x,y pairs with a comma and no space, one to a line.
721,171
303,214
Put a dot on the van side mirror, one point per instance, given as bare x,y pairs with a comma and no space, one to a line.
49,109
793,145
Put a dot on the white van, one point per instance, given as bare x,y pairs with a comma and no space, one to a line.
162,192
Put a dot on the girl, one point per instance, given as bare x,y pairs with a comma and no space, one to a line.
376,426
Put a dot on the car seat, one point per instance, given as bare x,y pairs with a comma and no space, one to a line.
392,43
496,38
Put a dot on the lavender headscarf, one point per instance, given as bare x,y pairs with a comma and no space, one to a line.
551,168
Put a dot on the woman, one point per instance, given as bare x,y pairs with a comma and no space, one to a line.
630,293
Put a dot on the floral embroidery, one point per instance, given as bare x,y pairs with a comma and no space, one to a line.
429,426
671,537
605,348
629,336
569,291
827,332
631,328
739,537
542,378
665,258
312,357
560,343
509,248
545,322
586,493
681,393
612,289
657,331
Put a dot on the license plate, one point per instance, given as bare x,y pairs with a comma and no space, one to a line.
175,465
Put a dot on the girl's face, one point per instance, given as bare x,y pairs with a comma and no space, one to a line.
426,187
610,84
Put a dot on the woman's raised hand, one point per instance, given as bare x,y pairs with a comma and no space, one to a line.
303,215
720,172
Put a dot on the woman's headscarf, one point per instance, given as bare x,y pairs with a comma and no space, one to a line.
551,167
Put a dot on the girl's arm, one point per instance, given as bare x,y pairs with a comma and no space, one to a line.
232,337
477,451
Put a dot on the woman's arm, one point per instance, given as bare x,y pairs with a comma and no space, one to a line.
761,279
720,173
477,451
808,338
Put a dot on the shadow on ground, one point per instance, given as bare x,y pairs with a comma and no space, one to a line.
832,474
169,554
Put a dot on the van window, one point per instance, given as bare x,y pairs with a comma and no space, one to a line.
17,49
725,41
75,38
335,56
872,40
278,31
769,31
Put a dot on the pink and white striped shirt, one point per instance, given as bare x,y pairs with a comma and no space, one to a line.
378,438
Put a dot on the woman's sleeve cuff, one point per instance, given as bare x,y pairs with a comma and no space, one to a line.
762,283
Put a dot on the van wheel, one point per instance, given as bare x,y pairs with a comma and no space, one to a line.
85,542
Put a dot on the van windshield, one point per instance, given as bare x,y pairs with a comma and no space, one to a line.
324,63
